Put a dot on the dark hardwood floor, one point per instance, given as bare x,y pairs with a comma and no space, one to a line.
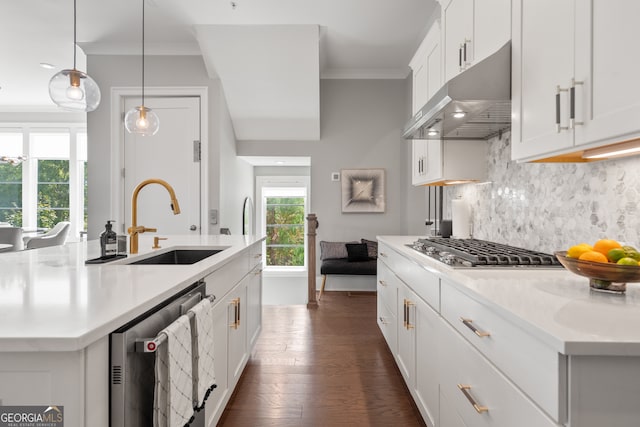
322,367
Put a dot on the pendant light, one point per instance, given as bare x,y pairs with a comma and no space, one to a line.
73,89
142,120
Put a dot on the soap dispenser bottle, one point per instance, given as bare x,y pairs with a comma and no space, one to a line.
108,241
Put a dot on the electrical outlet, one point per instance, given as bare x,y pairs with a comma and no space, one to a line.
335,176
213,216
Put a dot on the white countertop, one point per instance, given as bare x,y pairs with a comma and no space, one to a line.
51,301
556,306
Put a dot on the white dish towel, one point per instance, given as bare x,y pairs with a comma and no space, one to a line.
173,401
203,357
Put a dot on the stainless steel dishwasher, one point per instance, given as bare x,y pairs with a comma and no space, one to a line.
132,369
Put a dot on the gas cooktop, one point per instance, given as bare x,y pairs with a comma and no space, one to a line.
461,253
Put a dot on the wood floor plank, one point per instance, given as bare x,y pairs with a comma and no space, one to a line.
328,366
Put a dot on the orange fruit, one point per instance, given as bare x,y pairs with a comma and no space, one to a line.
577,250
605,245
593,256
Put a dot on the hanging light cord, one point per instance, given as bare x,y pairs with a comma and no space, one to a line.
74,34
142,53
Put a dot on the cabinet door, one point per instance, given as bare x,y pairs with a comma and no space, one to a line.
448,415
434,160
542,58
491,27
458,29
420,85
406,356
426,320
607,61
254,307
214,406
236,303
418,161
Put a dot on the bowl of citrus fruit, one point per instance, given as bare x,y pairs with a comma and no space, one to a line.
608,264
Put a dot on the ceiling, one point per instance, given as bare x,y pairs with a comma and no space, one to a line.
306,40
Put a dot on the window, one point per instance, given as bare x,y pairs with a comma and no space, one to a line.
50,186
282,206
285,230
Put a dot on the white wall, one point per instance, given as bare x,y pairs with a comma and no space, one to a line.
361,127
162,71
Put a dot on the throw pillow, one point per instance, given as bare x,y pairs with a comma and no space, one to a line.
372,247
357,252
333,250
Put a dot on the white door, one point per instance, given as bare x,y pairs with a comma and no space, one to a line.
167,155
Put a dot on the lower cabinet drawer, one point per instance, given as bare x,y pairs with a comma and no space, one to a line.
425,284
388,326
537,369
387,286
478,392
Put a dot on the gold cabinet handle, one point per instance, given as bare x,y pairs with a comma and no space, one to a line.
236,313
409,305
465,390
469,324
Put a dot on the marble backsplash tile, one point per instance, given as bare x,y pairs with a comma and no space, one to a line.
551,206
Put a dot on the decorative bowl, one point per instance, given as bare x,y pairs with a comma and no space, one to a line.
605,277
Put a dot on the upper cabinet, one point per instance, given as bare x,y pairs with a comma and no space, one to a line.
574,82
473,30
426,67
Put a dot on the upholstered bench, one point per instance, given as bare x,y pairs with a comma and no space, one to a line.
348,259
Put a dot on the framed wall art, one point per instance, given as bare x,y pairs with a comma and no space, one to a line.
363,190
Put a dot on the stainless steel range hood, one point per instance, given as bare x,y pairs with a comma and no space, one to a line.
482,93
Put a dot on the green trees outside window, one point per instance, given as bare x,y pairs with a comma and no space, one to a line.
11,194
53,192
285,231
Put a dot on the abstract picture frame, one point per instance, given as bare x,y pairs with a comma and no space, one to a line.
363,190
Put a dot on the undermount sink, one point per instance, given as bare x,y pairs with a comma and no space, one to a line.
179,256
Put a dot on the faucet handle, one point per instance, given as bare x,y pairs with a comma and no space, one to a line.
153,230
156,240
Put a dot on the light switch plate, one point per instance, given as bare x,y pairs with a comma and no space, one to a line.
213,216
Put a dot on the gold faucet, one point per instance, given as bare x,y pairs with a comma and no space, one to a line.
136,229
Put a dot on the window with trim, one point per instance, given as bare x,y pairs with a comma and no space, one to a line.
285,230
50,186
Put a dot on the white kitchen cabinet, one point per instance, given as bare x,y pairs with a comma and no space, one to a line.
414,323
387,287
479,393
236,302
221,394
473,30
581,54
406,355
426,67
442,162
254,306
426,372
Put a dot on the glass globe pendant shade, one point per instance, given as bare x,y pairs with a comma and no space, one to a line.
74,90
141,121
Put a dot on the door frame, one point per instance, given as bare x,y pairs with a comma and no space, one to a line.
118,95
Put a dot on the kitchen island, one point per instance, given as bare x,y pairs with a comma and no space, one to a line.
509,346
56,314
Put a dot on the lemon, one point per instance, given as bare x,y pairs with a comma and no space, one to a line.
616,254
627,261
577,250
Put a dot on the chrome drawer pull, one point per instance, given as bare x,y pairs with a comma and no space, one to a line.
468,324
465,390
